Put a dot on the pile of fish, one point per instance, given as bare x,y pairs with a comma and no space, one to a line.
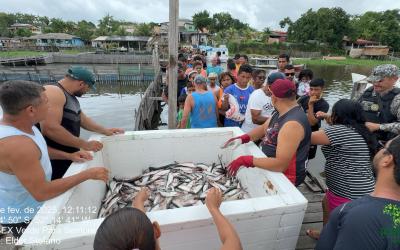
172,186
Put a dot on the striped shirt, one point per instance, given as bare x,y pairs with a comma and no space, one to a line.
348,167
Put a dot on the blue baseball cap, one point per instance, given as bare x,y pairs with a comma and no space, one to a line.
82,74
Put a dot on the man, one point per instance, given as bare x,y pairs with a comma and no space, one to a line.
290,73
287,136
201,105
241,91
312,104
371,222
283,60
182,81
260,108
25,168
61,128
214,68
381,102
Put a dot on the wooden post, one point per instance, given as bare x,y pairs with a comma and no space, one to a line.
173,69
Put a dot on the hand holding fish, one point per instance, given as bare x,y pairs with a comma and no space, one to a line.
245,161
141,198
236,141
97,173
213,198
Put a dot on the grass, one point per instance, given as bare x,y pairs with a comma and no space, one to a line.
22,53
74,51
348,61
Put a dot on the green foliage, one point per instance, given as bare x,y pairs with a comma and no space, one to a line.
144,29
107,26
23,33
383,27
324,25
85,30
202,20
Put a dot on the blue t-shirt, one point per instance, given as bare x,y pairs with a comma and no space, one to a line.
214,69
368,223
242,97
203,114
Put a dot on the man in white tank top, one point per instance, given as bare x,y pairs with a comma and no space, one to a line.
25,169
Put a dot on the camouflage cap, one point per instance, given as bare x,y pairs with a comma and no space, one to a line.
199,79
382,71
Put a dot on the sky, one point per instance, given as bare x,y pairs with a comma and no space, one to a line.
258,13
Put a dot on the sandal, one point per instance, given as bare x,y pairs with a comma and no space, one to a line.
314,234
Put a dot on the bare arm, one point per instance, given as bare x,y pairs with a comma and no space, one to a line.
320,138
289,139
31,175
259,132
256,117
227,233
310,115
186,110
51,126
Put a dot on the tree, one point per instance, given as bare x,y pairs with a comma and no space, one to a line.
144,29
107,26
23,33
202,20
325,25
383,27
85,30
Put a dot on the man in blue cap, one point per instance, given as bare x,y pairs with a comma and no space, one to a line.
61,128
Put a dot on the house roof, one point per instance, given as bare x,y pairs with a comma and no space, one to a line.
21,25
61,36
123,38
364,42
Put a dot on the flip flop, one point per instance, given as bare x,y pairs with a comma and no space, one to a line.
313,234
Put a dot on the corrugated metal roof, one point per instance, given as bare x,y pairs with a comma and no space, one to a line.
123,38
61,36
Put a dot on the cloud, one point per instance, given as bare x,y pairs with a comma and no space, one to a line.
258,13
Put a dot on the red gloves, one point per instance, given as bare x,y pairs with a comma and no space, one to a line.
245,161
236,141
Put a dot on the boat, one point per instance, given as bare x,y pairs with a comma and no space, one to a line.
211,52
263,62
360,85
270,219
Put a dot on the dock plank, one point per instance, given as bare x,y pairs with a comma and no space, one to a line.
312,218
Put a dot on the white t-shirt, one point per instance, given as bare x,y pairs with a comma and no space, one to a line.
258,101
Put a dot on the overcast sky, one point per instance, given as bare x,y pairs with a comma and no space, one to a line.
258,13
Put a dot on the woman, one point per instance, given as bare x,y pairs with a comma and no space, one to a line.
348,147
225,79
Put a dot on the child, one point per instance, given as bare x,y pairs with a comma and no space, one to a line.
181,102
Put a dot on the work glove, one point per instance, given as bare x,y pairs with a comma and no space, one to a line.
236,141
242,161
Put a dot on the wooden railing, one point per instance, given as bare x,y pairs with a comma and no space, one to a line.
147,116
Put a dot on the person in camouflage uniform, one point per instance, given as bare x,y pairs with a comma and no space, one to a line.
381,102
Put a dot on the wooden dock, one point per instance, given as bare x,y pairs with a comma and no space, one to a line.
313,216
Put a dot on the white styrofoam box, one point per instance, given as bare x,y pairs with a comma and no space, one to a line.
270,219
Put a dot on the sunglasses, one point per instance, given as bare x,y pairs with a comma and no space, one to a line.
290,74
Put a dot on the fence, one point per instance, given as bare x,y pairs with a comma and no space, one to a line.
102,59
147,116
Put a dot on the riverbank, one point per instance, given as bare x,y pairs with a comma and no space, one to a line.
347,61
